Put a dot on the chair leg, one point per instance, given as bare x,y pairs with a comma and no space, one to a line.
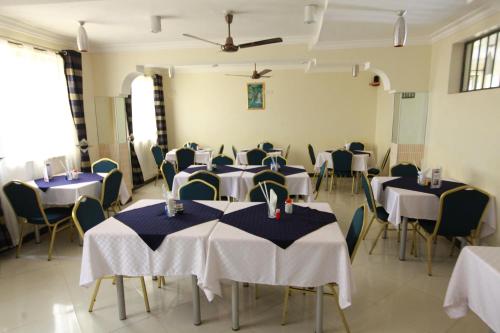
377,238
341,312
52,240
429,256
369,226
161,281
94,294
352,186
20,243
145,294
156,179
285,306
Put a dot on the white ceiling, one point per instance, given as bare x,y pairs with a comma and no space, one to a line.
122,23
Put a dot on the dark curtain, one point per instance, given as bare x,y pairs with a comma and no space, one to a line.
137,178
161,121
73,72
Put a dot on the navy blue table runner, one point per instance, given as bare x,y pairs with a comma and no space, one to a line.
218,169
410,183
283,232
61,180
284,170
153,225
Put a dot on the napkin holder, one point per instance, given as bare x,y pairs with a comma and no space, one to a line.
47,172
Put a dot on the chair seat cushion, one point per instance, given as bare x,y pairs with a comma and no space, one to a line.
373,171
382,214
54,214
427,225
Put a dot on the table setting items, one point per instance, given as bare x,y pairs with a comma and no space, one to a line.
171,206
275,166
271,201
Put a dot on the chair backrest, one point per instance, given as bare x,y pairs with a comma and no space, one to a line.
312,156
281,191
222,160
207,176
221,149
367,188
168,172
255,156
321,174
157,155
269,160
87,213
356,146
404,170
385,160
267,146
192,145
266,175
104,165
111,188
24,200
355,231
287,151
185,158
197,189
342,162
235,152
461,211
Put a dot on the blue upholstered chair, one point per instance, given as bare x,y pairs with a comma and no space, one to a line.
460,214
208,177
27,206
321,174
404,170
372,172
104,165
267,146
281,191
192,145
235,152
255,156
312,155
356,146
197,190
287,151
159,157
269,160
185,158
222,160
168,173
110,193
342,166
266,175
353,239
221,150
87,213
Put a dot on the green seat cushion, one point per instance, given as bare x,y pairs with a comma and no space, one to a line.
54,214
373,171
382,214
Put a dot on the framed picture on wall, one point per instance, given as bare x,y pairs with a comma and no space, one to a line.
256,99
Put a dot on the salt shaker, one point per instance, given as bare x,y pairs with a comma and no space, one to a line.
288,206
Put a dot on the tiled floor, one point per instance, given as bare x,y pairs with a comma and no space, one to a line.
391,296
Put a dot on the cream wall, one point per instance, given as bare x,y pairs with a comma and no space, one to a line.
463,134
383,123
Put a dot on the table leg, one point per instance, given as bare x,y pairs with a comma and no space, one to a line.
122,313
37,234
402,243
196,301
234,305
319,309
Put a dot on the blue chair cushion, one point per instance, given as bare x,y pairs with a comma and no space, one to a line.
54,214
382,214
427,225
373,171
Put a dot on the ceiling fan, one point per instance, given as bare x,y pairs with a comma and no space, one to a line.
229,45
255,75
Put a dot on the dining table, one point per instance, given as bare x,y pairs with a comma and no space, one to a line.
241,156
404,199
362,160
201,156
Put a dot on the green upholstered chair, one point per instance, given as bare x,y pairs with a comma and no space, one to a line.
110,193
158,157
269,160
266,175
168,172
185,158
104,165
281,191
208,177
222,160
404,170
255,156
197,190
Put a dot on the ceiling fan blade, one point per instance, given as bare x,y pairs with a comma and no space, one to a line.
202,39
237,75
261,42
264,71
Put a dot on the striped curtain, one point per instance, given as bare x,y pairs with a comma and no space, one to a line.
137,178
161,121
73,71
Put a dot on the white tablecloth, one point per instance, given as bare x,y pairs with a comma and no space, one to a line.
360,162
68,194
241,157
297,184
229,187
313,260
475,285
201,156
112,248
400,202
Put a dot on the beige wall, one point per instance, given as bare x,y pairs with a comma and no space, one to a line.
383,123
463,135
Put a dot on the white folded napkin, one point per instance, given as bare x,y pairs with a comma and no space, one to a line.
273,200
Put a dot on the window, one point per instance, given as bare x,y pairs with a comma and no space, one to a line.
481,67
143,109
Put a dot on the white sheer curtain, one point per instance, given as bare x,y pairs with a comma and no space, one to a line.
35,116
144,123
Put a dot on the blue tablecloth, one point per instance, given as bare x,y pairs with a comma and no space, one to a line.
410,183
61,180
153,225
284,170
218,169
283,232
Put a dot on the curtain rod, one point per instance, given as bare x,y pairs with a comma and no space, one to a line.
22,43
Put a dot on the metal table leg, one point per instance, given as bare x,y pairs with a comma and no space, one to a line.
122,313
196,301
37,234
235,300
402,244
319,309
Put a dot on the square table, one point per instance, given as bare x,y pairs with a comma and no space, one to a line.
229,181
402,204
201,156
112,248
241,156
360,162
297,184
316,259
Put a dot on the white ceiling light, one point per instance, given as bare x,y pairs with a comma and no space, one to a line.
155,24
309,12
355,70
400,30
82,40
